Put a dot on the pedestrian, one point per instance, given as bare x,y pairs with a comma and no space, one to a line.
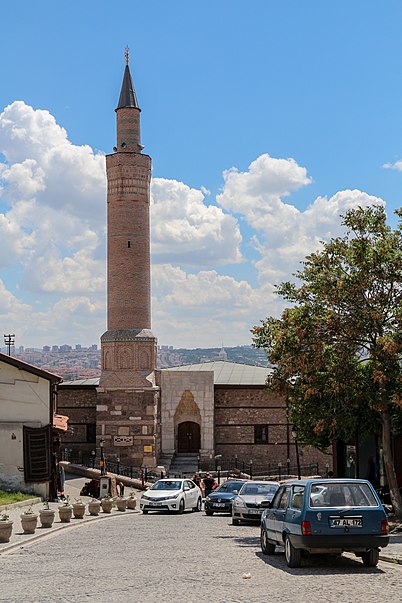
209,484
331,474
197,480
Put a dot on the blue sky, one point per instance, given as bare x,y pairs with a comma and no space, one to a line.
302,98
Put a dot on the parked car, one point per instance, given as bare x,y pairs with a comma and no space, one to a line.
220,500
251,501
325,516
176,495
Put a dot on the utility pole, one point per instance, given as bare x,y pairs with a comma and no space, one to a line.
9,341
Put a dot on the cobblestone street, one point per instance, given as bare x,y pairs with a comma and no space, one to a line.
168,558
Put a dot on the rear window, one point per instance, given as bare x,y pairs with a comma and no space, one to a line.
345,494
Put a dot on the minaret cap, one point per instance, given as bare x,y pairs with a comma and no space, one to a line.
128,97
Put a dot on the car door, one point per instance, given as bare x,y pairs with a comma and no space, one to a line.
280,514
273,513
189,494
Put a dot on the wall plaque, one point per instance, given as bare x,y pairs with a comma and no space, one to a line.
123,440
147,448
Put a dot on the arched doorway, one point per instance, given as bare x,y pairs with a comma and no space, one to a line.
188,437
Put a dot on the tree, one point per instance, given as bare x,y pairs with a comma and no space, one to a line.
337,350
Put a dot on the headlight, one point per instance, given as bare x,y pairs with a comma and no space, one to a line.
239,503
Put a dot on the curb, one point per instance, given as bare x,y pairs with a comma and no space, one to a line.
22,503
395,560
49,532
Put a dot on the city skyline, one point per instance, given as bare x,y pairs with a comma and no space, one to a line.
264,124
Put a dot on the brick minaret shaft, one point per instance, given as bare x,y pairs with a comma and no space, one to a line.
127,394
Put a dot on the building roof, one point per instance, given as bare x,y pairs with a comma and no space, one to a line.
225,373
128,97
30,368
92,381
229,373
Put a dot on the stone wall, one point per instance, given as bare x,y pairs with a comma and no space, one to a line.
241,411
79,404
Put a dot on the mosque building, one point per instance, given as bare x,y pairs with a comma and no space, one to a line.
144,416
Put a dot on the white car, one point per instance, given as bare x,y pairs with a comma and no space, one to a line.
176,495
252,500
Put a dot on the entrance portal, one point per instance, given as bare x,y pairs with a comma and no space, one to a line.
188,437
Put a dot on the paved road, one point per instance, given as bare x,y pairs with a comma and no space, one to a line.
172,559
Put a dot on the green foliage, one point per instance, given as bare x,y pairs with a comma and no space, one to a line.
337,349
8,498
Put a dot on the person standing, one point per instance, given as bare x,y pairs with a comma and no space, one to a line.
209,484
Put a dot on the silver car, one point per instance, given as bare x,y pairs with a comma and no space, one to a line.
252,500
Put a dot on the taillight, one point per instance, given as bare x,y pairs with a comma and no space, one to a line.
306,528
384,526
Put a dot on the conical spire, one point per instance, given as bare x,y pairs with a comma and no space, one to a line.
127,95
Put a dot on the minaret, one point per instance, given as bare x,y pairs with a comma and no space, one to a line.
127,391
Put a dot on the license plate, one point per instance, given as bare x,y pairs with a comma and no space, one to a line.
155,504
255,511
219,504
346,522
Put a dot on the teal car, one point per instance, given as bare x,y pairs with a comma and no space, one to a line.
325,516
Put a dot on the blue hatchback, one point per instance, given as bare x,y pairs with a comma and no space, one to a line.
325,516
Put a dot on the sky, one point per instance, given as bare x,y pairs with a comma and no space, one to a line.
265,120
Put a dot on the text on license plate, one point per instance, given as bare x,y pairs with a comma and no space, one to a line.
219,504
255,511
343,522
155,504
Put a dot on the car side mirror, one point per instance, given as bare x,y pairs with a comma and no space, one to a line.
235,492
266,504
186,488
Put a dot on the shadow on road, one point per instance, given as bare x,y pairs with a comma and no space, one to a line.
319,565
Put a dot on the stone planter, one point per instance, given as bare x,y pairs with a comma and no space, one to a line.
94,507
79,510
131,502
46,517
29,521
6,528
65,513
121,503
106,505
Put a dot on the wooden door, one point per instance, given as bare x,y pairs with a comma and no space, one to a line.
188,437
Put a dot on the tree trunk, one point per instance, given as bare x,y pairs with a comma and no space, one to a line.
389,466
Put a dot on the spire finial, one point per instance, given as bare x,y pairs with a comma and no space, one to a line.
126,53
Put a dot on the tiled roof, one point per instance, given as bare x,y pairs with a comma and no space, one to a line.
225,373
229,373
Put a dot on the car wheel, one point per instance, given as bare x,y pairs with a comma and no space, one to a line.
197,507
181,507
371,558
235,522
144,512
292,555
266,547
209,513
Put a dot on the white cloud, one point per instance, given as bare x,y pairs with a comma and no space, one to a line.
186,230
53,241
394,166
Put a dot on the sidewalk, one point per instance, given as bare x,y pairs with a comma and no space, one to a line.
18,539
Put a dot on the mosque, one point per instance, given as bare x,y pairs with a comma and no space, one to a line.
145,416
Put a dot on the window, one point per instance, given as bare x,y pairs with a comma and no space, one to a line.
91,432
284,500
260,434
297,497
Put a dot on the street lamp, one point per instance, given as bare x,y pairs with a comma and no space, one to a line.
295,434
102,458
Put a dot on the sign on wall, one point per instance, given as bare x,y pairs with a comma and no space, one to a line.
123,440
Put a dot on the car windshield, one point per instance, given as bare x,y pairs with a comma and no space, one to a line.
342,494
229,487
168,485
259,489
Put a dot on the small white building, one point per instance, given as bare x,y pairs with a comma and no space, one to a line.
27,408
